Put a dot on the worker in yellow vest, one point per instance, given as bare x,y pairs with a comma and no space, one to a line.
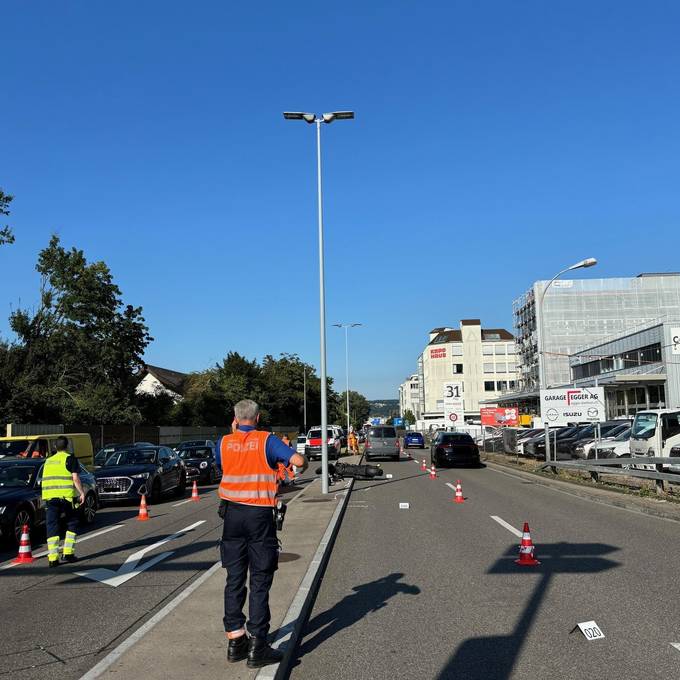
61,489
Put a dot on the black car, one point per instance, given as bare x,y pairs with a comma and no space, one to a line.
200,464
101,456
535,446
20,496
454,448
566,446
129,473
195,442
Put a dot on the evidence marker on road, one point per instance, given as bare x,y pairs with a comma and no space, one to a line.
404,506
590,630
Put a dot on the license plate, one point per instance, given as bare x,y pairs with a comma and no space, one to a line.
110,489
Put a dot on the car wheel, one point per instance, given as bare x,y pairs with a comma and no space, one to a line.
88,510
182,486
23,516
155,494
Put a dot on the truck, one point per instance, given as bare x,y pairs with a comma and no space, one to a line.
654,434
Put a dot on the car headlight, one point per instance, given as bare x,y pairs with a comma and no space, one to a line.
141,475
203,465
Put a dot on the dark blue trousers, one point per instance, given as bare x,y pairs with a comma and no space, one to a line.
249,543
55,506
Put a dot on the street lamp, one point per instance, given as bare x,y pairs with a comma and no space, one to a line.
347,326
542,382
324,118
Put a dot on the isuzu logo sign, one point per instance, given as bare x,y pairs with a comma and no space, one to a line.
573,405
675,340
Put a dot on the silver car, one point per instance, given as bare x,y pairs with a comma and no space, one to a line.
382,440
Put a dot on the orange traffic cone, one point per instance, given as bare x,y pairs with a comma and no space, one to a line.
25,556
459,493
526,549
423,466
433,472
194,493
143,515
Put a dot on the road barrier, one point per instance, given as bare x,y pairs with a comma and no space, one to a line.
622,467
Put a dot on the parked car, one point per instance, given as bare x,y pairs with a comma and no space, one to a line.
535,446
129,473
194,442
584,446
414,439
381,441
615,448
566,445
454,448
200,464
313,443
20,496
101,455
300,443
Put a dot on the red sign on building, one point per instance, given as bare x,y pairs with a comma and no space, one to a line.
438,353
499,416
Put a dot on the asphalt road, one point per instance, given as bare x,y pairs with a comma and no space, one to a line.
433,591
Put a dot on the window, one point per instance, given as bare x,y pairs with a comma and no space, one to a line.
501,368
488,368
502,385
499,350
512,384
457,350
457,368
511,349
489,386
487,349
512,366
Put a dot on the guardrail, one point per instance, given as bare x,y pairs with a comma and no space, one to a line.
621,466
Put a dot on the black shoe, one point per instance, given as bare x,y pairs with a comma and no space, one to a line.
70,558
261,654
53,563
237,649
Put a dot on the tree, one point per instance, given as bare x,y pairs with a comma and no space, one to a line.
6,234
359,408
409,418
77,356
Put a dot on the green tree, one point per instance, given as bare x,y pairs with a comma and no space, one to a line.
6,233
359,408
409,417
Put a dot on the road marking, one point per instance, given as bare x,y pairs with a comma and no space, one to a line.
188,500
116,653
676,645
509,527
451,486
79,540
131,567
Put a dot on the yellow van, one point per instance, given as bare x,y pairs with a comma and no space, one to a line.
43,445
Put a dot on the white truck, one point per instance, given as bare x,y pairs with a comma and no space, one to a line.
654,434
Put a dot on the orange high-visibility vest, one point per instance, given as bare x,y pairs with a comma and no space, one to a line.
247,477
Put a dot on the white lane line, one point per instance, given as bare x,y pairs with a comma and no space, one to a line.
188,500
509,527
676,645
452,486
79,540
116,653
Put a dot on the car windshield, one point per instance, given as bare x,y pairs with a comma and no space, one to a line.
195,453
14,448
16,475
644,426
382,432
456,438
301,439
624,436
614,430
131,457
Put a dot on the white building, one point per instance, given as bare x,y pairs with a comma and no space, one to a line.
158,380
409,396
482,359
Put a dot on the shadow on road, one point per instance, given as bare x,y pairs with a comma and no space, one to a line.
366,598
494,657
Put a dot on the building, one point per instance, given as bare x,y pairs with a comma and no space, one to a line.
156,380
581,313
638,370
409,396
482,359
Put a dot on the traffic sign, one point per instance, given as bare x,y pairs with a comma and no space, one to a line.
454,411
398,421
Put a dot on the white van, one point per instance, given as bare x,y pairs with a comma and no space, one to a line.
654,434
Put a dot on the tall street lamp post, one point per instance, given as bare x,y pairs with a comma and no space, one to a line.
347,326
542,380
324,118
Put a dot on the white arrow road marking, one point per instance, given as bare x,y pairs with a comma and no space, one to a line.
509,527
79,540
131,567
676,645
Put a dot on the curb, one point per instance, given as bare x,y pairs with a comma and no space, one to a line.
615,500
290,631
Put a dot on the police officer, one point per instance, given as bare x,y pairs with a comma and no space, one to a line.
249,460
61,486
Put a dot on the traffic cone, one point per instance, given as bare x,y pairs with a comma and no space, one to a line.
25,556
194,493
423,466
526,549
433,472
458,498
143,515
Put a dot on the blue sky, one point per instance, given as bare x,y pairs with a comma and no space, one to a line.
495,143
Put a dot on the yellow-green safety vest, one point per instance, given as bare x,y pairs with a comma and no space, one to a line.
57,481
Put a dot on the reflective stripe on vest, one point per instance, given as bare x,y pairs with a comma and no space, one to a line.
57,481
247,477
